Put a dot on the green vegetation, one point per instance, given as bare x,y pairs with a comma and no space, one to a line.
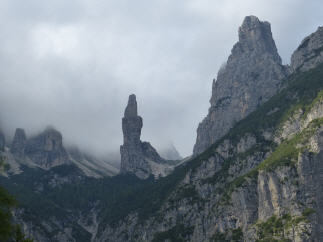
301,91
8,230
285,154
220,176
118,196
233,235
307,212
7,203
276,228
179,233
188,191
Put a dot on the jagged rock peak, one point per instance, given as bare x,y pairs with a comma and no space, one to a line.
255,35
19,142
137,157
46,149
310,52
53,139
131,123
131,109
251,75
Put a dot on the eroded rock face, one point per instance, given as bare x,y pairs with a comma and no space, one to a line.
46,149
19,143
310,52
138,157
251,76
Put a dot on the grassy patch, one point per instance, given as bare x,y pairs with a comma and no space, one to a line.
286,154
232,235
275,228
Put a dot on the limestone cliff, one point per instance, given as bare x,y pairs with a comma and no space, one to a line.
46,149
252,74
138,157
310,53
19,143
260,182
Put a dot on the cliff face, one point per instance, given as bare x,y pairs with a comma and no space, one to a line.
19,143
260,182
251,76
46,149
138,157
310,53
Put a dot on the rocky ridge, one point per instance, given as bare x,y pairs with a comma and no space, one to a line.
309,53
251,75
259,182
46,151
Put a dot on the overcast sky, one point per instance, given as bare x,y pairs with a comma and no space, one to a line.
72,64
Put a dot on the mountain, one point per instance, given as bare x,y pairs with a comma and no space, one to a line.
46,151
252,74
138,157
260,179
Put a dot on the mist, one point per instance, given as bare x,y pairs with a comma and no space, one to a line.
73,64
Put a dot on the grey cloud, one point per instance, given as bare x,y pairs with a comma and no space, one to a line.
73,64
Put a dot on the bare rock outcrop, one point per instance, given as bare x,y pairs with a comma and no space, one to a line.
310,52
138,157
251,76
46,149
19,143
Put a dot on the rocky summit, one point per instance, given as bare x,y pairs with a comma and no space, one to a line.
137,157
251,75
46,149
19,143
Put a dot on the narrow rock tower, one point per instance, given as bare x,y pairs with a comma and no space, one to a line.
138,157
251,76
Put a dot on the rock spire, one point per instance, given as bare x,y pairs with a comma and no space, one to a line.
252,74
138,157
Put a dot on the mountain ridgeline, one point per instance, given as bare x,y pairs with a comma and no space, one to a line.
256,173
